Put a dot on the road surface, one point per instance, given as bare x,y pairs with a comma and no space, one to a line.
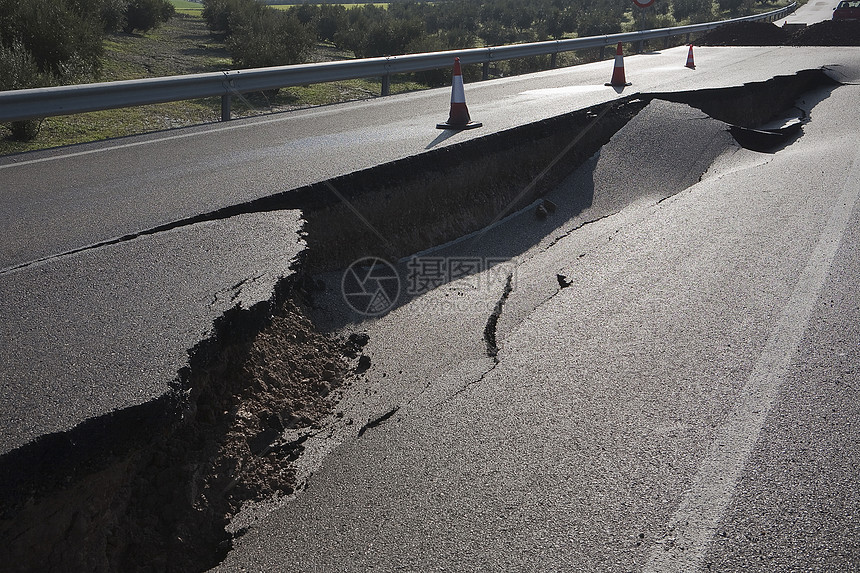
60,200
688,402
810,13
618,382
85,320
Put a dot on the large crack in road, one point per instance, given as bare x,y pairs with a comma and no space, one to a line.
155,486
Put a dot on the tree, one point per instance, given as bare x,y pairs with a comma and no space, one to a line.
144,15
331,18
46,42
62,42
732,6
270,38
693,10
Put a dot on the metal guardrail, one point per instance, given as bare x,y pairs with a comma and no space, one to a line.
35,103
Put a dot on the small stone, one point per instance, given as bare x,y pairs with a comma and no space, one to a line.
359,338
363,364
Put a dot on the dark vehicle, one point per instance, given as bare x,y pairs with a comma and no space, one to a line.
847,10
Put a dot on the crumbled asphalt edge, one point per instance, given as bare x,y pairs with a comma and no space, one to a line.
754,103
118,492
825,33
493,320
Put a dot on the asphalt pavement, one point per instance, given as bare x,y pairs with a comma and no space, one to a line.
111,327
810,13
60,200
72,281
685,402
530,458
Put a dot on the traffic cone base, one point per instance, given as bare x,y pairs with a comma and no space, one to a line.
459,116
470,125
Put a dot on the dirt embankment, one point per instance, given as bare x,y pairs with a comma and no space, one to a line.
827,33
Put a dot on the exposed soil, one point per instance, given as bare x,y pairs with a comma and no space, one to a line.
426,200
250,411
827,33
745,34
753,104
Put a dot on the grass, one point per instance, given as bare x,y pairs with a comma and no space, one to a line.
188,8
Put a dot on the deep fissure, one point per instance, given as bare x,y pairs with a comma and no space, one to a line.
493,320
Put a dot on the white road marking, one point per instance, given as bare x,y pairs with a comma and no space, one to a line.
236,124
137,143
693,526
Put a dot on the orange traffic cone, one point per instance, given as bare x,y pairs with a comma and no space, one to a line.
690,63
459,116
618,79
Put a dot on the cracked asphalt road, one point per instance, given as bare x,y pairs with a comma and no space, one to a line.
603,421
96,192
111,327
87,315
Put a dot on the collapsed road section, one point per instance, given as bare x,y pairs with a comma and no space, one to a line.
151,483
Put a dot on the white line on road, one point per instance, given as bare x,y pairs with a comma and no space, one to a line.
139,143
692,527
283,116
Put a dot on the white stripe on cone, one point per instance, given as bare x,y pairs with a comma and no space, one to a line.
459,112
458,94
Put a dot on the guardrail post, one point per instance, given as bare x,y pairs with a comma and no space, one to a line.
485,71
640,47
225,107
553,59
602,52
688,37
386,84
665,42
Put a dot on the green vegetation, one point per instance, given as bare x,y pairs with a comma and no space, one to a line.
184,45
187,5
384,5
410,26
287,4
60,42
